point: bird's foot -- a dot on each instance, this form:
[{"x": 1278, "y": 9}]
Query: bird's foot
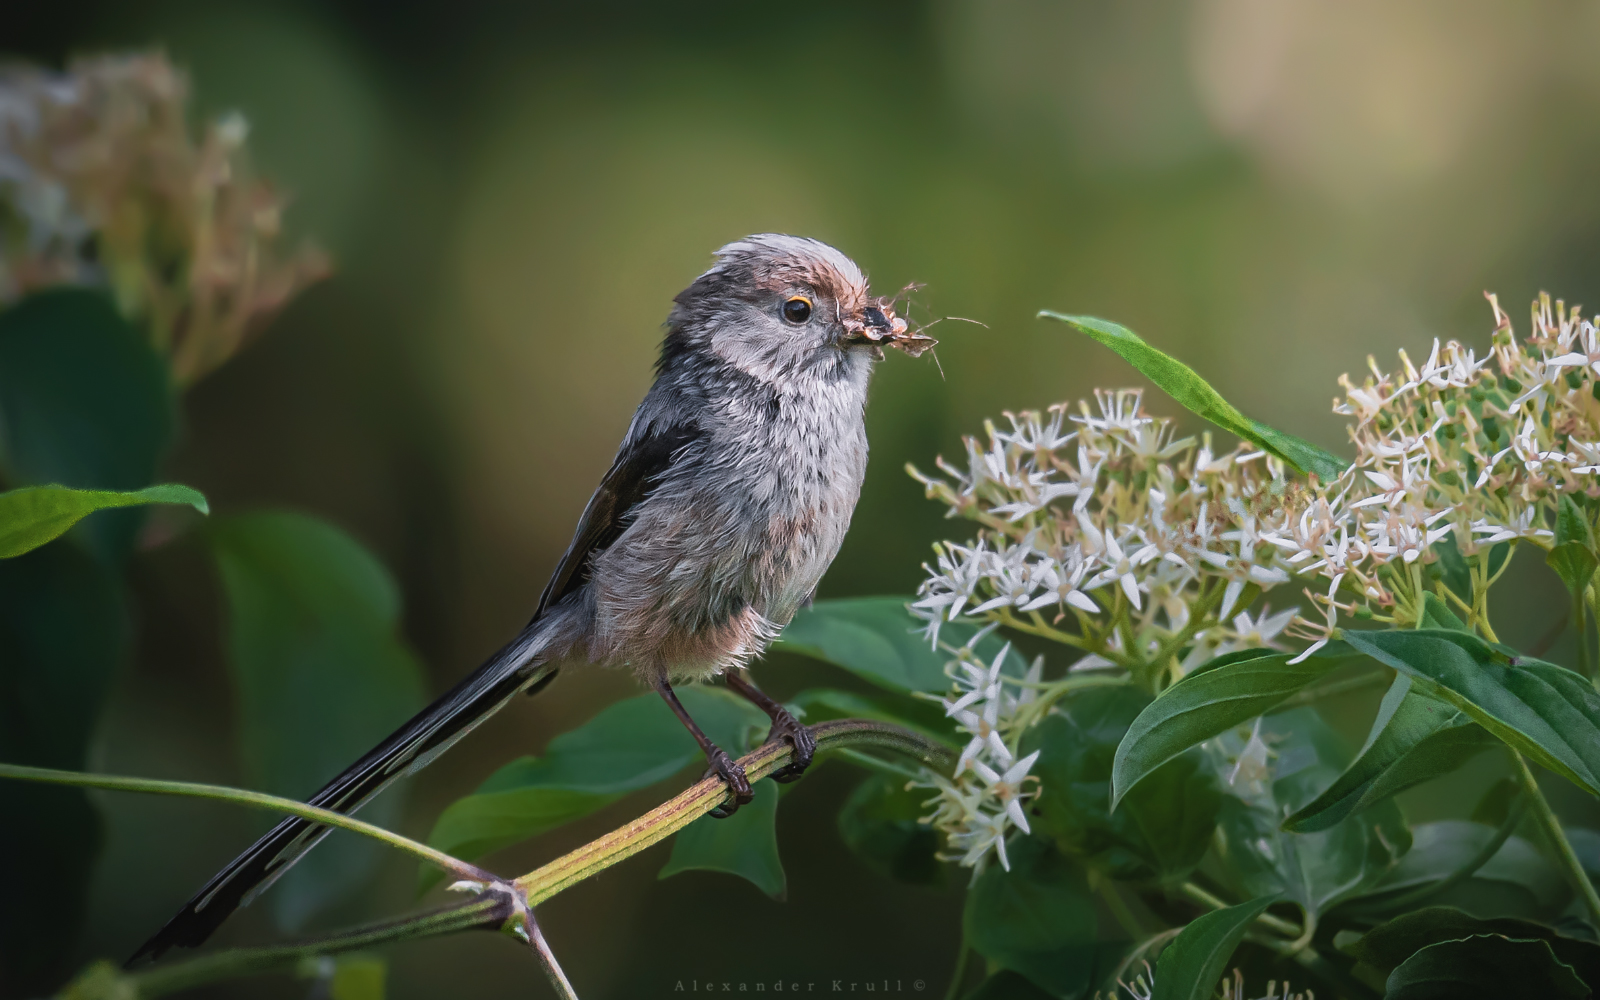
[
  {"x": 786, "y": 727},
  {"x": 732, "y": 775}
]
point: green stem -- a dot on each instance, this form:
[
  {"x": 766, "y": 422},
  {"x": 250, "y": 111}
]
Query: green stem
[
  {"x": 1038, "y": 628},
  {"x": 1199, "y": 619},
  {"x": 959, "y": 975},
  {"x": 1558, "y": 840},
  {"x": 1204, "y": 898},
  {"x": 1581, "y": 620},
  {"x": 254, "y": 800},
  {"x": 488, "y": 911}
]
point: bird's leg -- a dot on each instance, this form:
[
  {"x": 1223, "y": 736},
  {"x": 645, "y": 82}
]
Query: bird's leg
[
  {"x": 722, "y": 765},
  {"x": 784, "y": 726}
]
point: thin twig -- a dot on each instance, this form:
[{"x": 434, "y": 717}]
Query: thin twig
[
  {"x": 1558, "y": 840},
  {"x": 255, "y": 800}
]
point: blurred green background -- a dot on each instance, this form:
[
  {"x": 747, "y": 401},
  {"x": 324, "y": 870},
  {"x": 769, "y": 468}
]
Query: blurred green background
[{"x": 513, "y": 193}]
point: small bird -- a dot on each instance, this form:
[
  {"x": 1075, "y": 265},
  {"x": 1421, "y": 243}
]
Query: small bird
[{"x": 728, "y": 499}]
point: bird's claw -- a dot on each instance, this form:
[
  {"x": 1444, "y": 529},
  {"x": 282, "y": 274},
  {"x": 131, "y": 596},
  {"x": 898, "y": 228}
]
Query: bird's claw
[
  {"x": 786, "y": 727},
  {"x": 732, "y": 775}
]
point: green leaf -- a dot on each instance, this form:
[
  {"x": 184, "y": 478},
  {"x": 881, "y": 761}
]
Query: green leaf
[
  {"x": 1572, "y": 525},
  {"x": 1316, "y": 870},
  {"x": 85, "y": 402},
  {"x": 1485, "y": 967},
  {"x": 1037, "y": 919},
  {"x": 878, "y": 640},
  {"x": 1414, "y": 739},
  {"x": 745, "y": 844},
  {"x": 632, "y": 744},
  {"x": 34, "y": 515},
  {"x": 1547, "y": 712},
  {"x": 1573, "y": 554},
  {"x": 880, "y": 823},
  {"x": 1196, "y": 395},
  {"x": 1437, "y": 614},
  {"x": 321, "y": 675},
  {"x": 1163, "y": 826},
  {"x": 1387, "y": 946},
  {"x": 1516, "y": 881},
  {"x": 1216, "y": 696},
  {"x": 1193, "y": 964},
  {"x": 63, "y": 626}
]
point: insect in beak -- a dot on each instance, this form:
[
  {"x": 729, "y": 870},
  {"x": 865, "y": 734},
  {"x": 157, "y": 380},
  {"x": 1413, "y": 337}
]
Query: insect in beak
[{"x": 880, "y": 327}]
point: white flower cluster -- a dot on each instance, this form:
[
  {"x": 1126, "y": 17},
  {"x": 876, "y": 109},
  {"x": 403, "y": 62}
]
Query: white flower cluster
[
  {"x": 979, "y": 805},
  {"x": 1142, "y": 544},
  {"x": 1101, "y": 530},
  {"x": 1477, "y": 449}
]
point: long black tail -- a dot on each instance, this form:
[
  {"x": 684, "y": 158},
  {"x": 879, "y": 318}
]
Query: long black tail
[{"x": 522, "y": 663}]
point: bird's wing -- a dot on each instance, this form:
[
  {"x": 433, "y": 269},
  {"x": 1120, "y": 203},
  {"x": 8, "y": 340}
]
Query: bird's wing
[{"x": 638, "y": 468}]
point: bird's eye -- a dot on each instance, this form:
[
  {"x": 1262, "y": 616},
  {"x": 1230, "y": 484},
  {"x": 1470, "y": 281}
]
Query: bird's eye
[{"x": 797, "y": 309}]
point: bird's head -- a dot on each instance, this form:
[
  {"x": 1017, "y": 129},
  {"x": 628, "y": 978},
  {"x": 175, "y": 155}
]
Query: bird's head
[{"x": 776, "y": 305}]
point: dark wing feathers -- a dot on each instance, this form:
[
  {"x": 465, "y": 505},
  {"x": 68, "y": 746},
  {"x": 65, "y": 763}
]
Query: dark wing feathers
[{"x": 637, "y": 469}]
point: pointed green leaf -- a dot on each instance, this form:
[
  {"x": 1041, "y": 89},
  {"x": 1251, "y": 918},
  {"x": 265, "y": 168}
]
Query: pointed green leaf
[
  {"x": 1437, "y": 614},
  {"x": 1572, "y": 525},
  {"x": 1547, "y": 712},
  {"x": 1216, "y": 696},
  {"x": 745, "y": 844},
  {"x": 1414, "y": 738},
  {"x": 33, "y": 515},
  {"x": 321, "y": 674},
  {"x": 1387, "y": 946},
  {"x": 1193, "y": 964},
  {"x": 878, "y": 640},
  {"x": 1196, "y": 395},
  {"x": 1485, "y": 967}
]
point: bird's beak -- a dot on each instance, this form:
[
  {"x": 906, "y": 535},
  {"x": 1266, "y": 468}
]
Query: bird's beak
[{"x": 879, "y": 326}]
